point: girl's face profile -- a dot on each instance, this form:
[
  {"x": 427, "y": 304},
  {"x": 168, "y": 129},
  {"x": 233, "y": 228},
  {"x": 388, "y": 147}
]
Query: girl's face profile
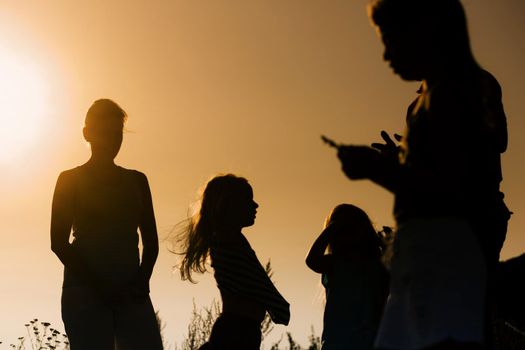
[{"x": 245, "y": 207}]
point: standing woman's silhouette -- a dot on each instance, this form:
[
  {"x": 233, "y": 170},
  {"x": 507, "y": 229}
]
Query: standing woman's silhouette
[
  {"x": 448, "y": 205},
  {"x": 105, "y": 294},
  {"x": 354, "y": 278},
  {"x": 247, "y": 293}
]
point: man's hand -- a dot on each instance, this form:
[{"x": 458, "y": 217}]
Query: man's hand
[
  {"x": 389, "y": 148},
  {"x": 358, "y": 162}
]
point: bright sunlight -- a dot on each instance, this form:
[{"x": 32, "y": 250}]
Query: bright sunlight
[{"x": 22, "y": 104}]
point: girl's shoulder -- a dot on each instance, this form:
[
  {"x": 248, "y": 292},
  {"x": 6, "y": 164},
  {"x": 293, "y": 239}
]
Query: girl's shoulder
[
  {"x": 228, "y": 251},
  {"x": 230, "y": 245}
]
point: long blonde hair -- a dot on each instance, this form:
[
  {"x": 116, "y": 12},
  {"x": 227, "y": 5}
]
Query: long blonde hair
[{"x": 198, "y": 235}]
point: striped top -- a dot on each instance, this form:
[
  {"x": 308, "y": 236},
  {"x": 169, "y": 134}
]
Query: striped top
[{"x": 239, "y": 272}]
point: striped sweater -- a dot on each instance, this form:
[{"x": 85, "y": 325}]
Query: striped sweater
[{"x": 239, "y": 272}]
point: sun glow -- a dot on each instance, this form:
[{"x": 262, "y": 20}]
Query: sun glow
[{"x": 22, "y": 104}]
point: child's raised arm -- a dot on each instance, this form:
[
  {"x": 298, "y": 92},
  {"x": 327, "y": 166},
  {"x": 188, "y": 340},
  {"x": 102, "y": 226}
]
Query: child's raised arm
[{"x": 316, "y": 259}]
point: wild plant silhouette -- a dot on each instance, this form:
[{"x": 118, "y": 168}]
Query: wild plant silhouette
[
  {"x": 202, "y": 320},
  {"x": 41, "y": 336}
]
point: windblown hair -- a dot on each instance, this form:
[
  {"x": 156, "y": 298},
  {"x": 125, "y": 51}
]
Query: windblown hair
[
  {"x": 218, "y": 197},
  {"x": 443, "y": 22},
  {"x": 102, "y": 111},
  {"x": 354, "y": 218}
]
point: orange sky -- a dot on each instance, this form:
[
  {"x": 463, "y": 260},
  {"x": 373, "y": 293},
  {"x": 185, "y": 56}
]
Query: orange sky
[{"x": 217, "y": 86}]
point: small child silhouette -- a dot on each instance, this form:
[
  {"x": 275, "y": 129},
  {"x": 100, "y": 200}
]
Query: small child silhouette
[{"x": 354, "y": 278}]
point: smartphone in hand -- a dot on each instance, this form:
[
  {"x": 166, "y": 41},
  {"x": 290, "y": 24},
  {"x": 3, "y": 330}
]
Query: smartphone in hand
[{"x": 330, "y": 142}]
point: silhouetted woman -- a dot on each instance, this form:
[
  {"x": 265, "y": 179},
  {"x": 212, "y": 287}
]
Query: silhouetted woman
[
  {"x": 105, "y": 294},
  {"x": 247, "y": 293},
  {"x": 354, "y": 278},
  {"x": 448, "y": 206}
]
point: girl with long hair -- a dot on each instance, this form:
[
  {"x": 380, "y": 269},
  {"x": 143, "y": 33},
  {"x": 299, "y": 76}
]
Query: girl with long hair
[
  {"x": 347, "y": 254},
  {"x": 247, "y": 293}
]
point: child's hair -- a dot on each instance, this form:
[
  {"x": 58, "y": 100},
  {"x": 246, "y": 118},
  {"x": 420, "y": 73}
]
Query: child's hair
[
  {"x": 355, "y": 219},
  {"x": 220, "y": 194}
]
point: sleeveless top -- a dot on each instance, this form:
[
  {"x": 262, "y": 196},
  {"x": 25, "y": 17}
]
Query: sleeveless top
[{"x": 105, "y": 224}]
